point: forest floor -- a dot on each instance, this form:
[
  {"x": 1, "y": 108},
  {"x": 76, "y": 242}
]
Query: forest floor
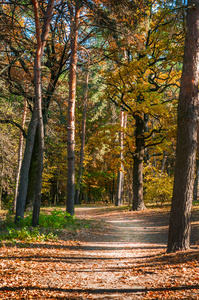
[{"x": 122, "y": 257}]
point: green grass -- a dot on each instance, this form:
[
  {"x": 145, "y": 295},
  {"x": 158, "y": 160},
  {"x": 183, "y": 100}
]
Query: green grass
[{"x": 51, "y": 224}]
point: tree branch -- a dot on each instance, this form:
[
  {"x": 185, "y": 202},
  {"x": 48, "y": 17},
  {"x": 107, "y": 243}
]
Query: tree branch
[{"x": 16, "y": 124}]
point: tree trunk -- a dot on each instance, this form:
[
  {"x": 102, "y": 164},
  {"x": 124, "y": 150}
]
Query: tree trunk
[
  {"x": 138, "y": 202},
  {"x": 120, "y": 184},
  {"x": 38, "y": 101},
  {"x": 195, "y": 189},
  {"x": 120, "y": 178},
  {"x": 71, "y": 110},
  {"x": 37, "y": 119},
  {"x": 23, "y": 187},
  {"x": 33, "y": 173},
  {"x": 179, "y": 227},
  {"x": 85, "y": 104},
  {"x": 41, "y": 41},
  {"x": 20, "y": 152},
  {"x": 165, "y": 156}
]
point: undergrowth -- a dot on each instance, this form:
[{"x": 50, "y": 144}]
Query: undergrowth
[{"x": 50, "y": 226}]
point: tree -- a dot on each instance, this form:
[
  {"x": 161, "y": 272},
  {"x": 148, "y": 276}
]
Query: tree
[
  {"x": 41, "y": 42},
  {"x": 141, "y": 51},
  {"x": 20, "y": 152},
  {"x": 120, "y": 179},
  {"x": 140, "y": 83},
  {"x": 187, "y": 122},
  {"x": 75, "y": 8},
  {"x": 83, "y": 135},
  {"x": 55, "y": 61},
  {"x": 195, "y": 188},
  {"x": 19, "y": 56},
  {"x": 74, "y": 16},
  {"x": 36, "y": 121}
]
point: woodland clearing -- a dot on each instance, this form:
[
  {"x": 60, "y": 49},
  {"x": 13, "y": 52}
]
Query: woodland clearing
[{"x": 123, "y": 256}]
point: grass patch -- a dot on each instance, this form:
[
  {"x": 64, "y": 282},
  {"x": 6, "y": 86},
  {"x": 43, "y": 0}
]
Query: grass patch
[{"x": 51, "y": 225}]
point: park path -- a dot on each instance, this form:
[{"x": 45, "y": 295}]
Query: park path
[
  {"x": 124, "y": 258},
  {"x": 140, "y": 228}
]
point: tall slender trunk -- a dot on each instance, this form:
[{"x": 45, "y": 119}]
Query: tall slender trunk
[
  {"x": 41, "y": 41},
  {"x": 38, "y": 103},
  {"x": 165, "y": 156},
  {"x": 34, "y": 160},
  {"x": 23, "y": 187},
  {"x": 138, "y": 202},
  {"x": 33, "y": 173},
  {"x": 120, "y": 184},
  {"x": 85, "y": 104},
  {"x": 71, "y": 109},
  {"x": 195, "y": 189},
  {"x": 187, "y": 123},
  {"x": 20, "y": 152},
  {"x": 37, "y": 119},
  {"x": 120, "y": 179}
]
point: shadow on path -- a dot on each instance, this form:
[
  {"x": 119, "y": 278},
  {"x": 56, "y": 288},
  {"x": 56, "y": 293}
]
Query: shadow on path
[{"x": 136, "y": 289}]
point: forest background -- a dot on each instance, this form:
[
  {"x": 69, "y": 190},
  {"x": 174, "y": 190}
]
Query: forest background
[{"x": 103, "y": 79}]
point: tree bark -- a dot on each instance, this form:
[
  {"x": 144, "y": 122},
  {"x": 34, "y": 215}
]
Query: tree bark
[
  {"x": 20, "y": 152},
  {"x": 187, "y": 122},
  {"x": 33, "y": 173},
  {"x": 195, "y": 189},
  {"x": 120, "y": 178},
  {"x": 38, "y": 101},
  {"x": 138, "y": 201},
  {"x": 46, "y": 103},
  {"x": 120, "y": 184},
  {"x": 85, "y": 105},
  {"x": 165, "y": 156},
  {"x": 74, "y": 13},
  {"x": 41, "y": 41},
  {"x": 23, "y": 187},
  {"x": 37, "y": 119}
]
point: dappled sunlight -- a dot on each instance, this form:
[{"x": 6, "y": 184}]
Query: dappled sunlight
[{"x": 115, "y": 260}]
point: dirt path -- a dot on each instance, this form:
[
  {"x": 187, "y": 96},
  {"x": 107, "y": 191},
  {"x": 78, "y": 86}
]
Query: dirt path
[
  {"x": 130, "y": 227},
  {"x": 123, "y": 259}
]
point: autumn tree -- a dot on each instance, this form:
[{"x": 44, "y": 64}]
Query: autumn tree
[
  {"x": 140, "y": 85},
  {"x": 99, "y": 18},
  {"x": 54, "y": 64},
  {"x": 41, "y": 41},
  {"x": 187, "y": 123},
  {"x": 83, "y": 129},
  {"x": 74, "y": 9},
  {"x": 137, "y": 51},
  {"x": 9, "y": 136},
  {"x": 36, "y": 121}
]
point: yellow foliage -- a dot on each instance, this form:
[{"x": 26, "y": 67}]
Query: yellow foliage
[{"x": 158, "y": 187}]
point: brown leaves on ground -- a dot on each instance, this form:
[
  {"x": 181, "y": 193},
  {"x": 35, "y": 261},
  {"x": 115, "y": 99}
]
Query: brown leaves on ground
[{"x": 126, "y": 259}]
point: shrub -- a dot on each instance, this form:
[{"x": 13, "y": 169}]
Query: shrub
[
  {"x": 49, "y": 223},
  {"x": 57, "y": 219},
  {"x": 158, "y": 188},
  {"x": 26, "y": 234}
]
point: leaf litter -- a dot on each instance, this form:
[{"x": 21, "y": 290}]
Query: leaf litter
[{"x": 124, "y": 257}]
